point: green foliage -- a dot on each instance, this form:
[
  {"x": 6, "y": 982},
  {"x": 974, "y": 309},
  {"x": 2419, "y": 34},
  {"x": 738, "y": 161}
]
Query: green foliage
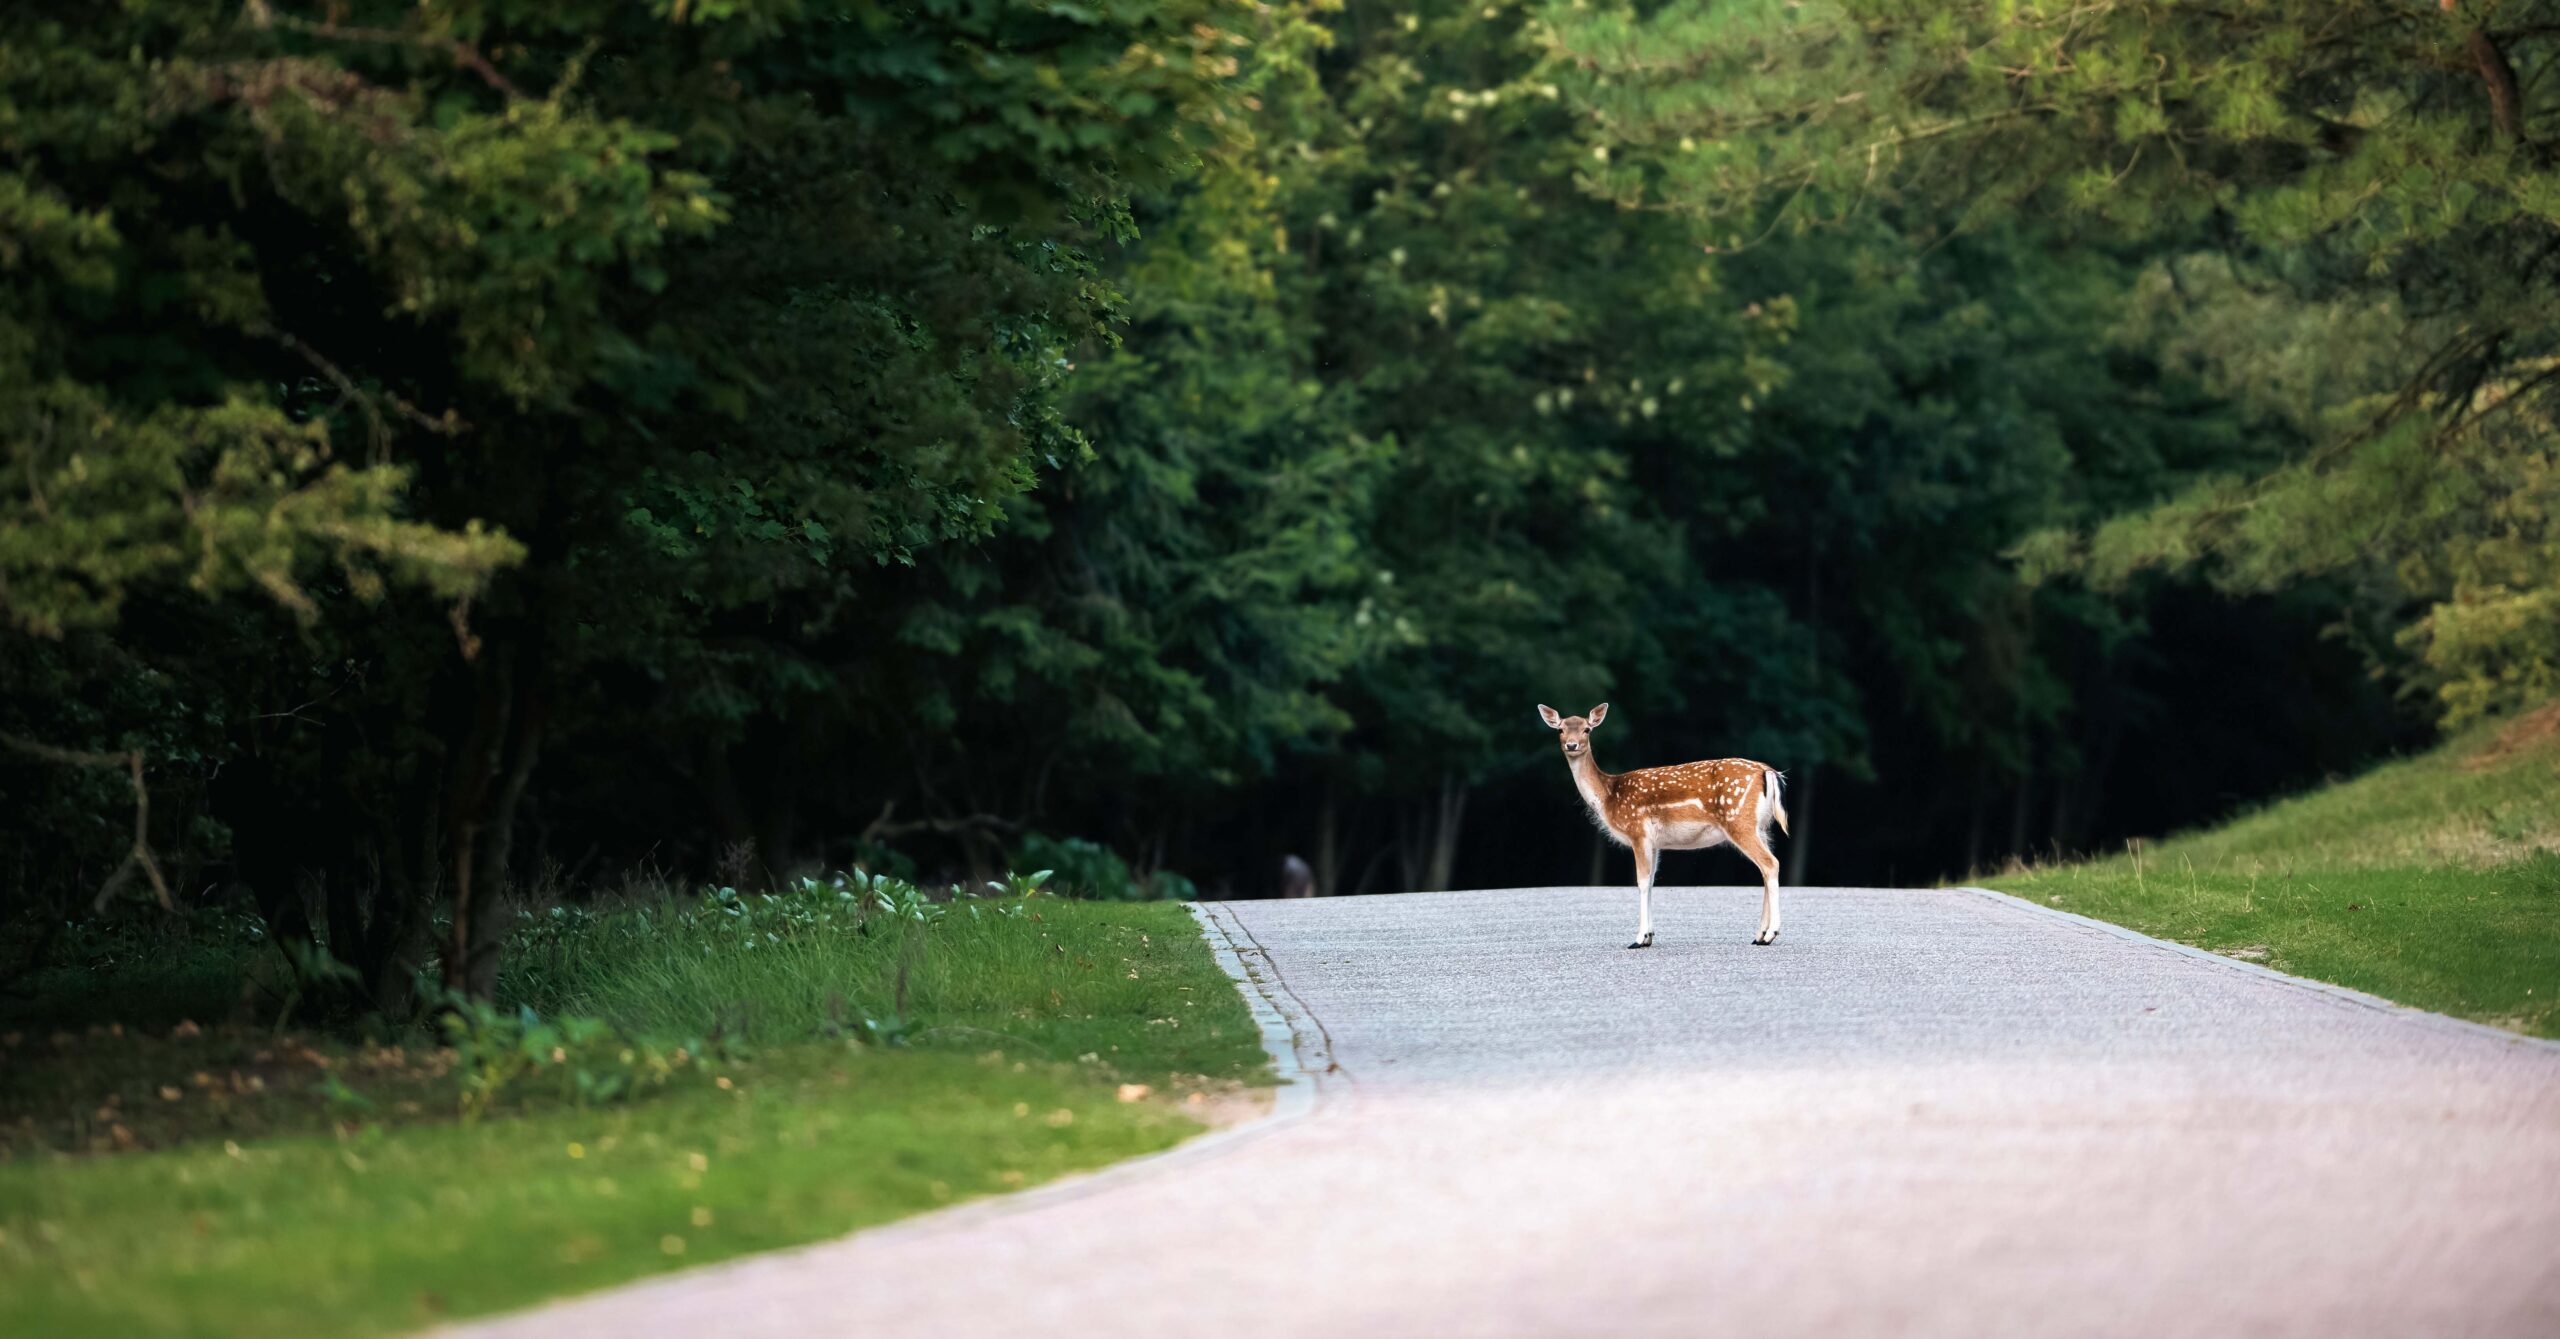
[
  {"x": 502, "y": 1055},
  {"x": 764, "y": 437},
  {"x": 229, "y": 497},
  {"x": 1089, "y": 869},
  {"x": 518, "y": 348},
  {"x": 1020, "y": 885},
  {"x": 2385, "y": 171}
]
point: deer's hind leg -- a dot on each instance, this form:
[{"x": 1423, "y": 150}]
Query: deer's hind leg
[
  {"x": 1754, "y": 845},
  {"x": 1647, "y": 855}
]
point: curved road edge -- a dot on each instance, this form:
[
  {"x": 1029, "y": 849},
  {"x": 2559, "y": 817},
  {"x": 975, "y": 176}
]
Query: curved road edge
[
  {"x": 2346, "y": 995},
  {"x": 1290, "y": 1037},
  {"x": 1289, "y": 1032}
]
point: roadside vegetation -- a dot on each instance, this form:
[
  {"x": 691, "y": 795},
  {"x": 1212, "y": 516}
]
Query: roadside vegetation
[
  {"x": 660, "y": 1084},
  {"x": 2434, "y": 880},
  {"x": 1171, "y": 444}
]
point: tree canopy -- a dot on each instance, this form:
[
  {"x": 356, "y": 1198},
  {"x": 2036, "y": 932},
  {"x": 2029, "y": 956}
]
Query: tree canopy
[
  {"x": 2357, "y": 162},
  {"x": 456, "y": 454}
]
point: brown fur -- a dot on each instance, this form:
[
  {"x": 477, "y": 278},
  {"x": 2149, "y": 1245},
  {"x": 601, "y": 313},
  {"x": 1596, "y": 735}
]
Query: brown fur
[{"x": 1690, "y": 806}]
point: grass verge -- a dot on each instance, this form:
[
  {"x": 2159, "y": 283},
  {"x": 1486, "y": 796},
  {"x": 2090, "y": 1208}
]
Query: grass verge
[
  {"x": 294, "y": 1185},
  {"x": 2432, "y": 881}
]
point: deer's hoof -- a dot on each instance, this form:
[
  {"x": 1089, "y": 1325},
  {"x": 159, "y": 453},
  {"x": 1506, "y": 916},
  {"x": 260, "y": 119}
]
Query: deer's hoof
[
  {"x": 1645, "y": 941},
  {"x": 1765, "y": 938}
]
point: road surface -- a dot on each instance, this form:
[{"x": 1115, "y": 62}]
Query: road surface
[{"x": 1920, "y": 1113}]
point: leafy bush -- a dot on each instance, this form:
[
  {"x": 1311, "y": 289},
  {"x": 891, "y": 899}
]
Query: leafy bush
[
  {"x": 1091, "y": 870},
  {"x": 1166, "y": 886},
  {"x": 880, "y": 858},
  {"x": 1017, "y": 884},
  {"x": 501, "y": 1054}
]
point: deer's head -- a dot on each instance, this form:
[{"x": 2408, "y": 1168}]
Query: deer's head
[{"x": 1575, "y": 730}]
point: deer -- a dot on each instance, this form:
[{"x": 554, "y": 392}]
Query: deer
[{"x": 1686, "y": 808}]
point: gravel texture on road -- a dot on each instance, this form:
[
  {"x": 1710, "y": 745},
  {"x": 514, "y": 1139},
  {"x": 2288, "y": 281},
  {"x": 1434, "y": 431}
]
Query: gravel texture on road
[{"x": 1919, "y": 1113}]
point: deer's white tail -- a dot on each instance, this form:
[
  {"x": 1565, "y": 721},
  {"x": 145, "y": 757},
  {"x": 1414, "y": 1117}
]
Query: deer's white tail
[{"x": 1771, "y": 801}]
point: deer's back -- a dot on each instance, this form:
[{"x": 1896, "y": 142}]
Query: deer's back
[{"x": 1721, "y": 790}]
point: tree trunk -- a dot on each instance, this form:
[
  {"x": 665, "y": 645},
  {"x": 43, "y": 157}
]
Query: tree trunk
[
  {"x": 1448, "y": 819},
  {"x": 1328, "y": 866},
  {"x": 777, "y": 835},
  {"x": 379, "y": 907},
  {"x": 2019, "y": 809},
  {"x": 2080, "y": 800},
  {"x": 2506, "y": 101},
  {"x": 1369, "y": 872},
  {"x": 1599, "y": 858},
  {"x": 487, "y": 777},
  {"x": 1973, "y": 828},
  {"x": 729, "y": 812},
  {"x": 780, "y": 786},
  {"x": 1800, "y": 814}
]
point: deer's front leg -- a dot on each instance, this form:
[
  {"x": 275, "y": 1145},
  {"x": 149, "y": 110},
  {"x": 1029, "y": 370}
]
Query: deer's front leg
[{"x": 1645, "y": 857}]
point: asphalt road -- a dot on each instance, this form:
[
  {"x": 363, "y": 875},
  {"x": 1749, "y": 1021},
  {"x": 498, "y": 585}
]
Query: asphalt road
[{"x": 1920, "y": 1113}]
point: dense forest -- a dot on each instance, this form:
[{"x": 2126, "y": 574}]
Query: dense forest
[{"x": 460, "y": 454}]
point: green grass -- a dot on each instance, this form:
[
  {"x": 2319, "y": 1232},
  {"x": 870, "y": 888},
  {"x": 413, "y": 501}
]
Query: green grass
[
  {"x": 271, "y": 1209},
  {"x": 2433, "y": 881}
]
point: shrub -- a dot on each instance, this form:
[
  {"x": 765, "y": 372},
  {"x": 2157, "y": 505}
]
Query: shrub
[
  {"x": 501, "y": 1054},
  {"x": 1089, "y": 869}
]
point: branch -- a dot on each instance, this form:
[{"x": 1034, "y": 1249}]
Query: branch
[
  {"x": 2506, "y": 102},
  {"x": 451, "y": 425},
  {"x": 463, "y": 53},
  {"x": 140, "y": 856},
  {"x": 881, "y": 827}
]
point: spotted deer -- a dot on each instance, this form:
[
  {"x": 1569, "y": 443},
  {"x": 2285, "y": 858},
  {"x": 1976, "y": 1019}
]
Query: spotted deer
[{"x": 1685, "y": 808}]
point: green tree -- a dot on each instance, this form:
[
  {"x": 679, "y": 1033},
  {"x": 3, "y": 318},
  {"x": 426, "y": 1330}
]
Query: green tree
[
  {"x": 1551, "y": 449},
  {"x": 616, "y": 332},
  {"x": 2368, "y": 151},
  {"x": 1163, "y": 624},
  {"x": 1525, "y": 348}
]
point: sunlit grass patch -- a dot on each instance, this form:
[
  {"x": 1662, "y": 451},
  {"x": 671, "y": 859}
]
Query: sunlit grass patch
[
  {"x": 1011, "y": 1058},
  {"x": 2431, "y": 881},
  {"x": 392, "y": 1228}
]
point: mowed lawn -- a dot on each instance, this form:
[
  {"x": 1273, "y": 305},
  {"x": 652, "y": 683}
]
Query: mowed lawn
[
  {"x": 2433, "y": 881},
  {"x": 287, "y": 1210}
]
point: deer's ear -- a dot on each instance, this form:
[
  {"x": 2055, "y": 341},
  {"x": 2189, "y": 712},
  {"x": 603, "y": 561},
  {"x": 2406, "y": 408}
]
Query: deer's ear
[
  {"x": 1548, "y": 714},
  {"x": 1600, "y": 713}
]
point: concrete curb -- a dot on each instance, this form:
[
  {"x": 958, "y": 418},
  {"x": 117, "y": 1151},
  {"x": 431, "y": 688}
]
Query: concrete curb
[
  {"x": 2425, "y": 1018},
  {"x": 1301, "y": 1050}
]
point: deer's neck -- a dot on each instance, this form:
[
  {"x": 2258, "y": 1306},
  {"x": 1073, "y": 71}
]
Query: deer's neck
[{"x": 1593, "y": 783}]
